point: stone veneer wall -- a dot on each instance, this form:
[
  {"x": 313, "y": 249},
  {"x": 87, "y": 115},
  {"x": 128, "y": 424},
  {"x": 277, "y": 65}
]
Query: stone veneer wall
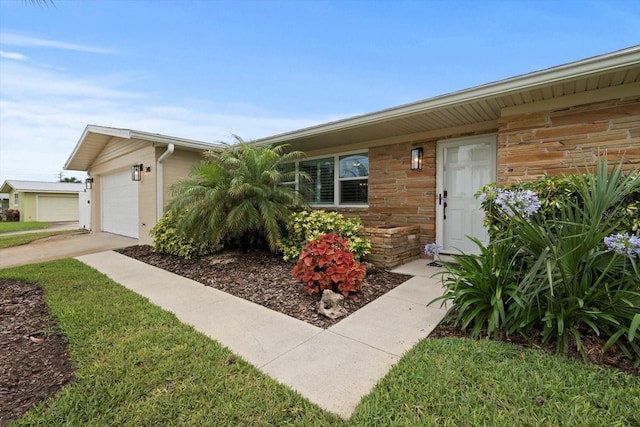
[
  {"x": 399, "y": 196},
  {"x": 393, "y": 246},
  {"x": 554, "y": 141},
  {"x": 559, "y": 141}
]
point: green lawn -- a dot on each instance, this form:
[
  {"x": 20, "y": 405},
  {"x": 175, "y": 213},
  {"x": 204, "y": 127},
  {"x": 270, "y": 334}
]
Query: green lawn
[
  {"x": 23, "y": 239},
  {"x": 138, "y": 365},
  {"x": 21, "y": 226}
]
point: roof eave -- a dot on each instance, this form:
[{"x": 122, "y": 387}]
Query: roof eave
[{"x": 590, "y": 66}]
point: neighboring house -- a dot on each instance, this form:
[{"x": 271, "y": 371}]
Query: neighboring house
[
  {"x": 121, "y": 202},
  {"x": 411, "y": 172},
  {"x": 43, "y": 201}
]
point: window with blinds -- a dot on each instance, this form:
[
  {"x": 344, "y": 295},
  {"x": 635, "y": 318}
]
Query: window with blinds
[
  {"x": 320, "y": 188},
  {"x": 354, "y": 178}
]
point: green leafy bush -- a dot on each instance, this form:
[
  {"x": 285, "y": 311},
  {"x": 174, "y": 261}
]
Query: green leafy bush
[
  {"x": 570, "y": 262},
  {"x": 167, "y": 239},
  {"x": 327, "y": 263},
  {"x": 554, "y": 192},
  {"x": 305, "y": 226}
]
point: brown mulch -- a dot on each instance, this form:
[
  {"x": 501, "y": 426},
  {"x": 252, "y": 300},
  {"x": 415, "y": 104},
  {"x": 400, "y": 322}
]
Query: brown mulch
[
  {"x": 34, "y": 359},
  {"x": 264, "y": 279}
]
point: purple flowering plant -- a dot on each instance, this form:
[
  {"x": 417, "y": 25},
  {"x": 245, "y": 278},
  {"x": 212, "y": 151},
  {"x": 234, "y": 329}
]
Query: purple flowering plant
[
  {"x": 432, "y": 249},
  {"x": 623, "y": 244},
  {"x": 524, "y": 202}
]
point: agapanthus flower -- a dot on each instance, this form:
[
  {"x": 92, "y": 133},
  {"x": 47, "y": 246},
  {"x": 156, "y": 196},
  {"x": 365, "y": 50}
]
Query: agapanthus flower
[
  {"x": 524, "y": 202},
  {"x": 623, "y": 244},
  {"x": 432, "y": 249}
]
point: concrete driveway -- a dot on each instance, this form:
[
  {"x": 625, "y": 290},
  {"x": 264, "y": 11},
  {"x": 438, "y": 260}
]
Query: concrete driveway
[{"x": 63, "y": 246}]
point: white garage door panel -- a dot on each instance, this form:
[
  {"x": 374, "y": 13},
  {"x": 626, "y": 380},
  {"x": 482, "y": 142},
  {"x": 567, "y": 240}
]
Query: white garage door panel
[
  {"x": 57, "y": 208},
  {"x": 120, "y": 204}
]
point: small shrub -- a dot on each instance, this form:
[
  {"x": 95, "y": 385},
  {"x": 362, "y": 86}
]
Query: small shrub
[
  {"x": 327, "y": 263},
  {"x": 306, "y": 226},
  {"x": 12, "y": 215},
  {"x": 483, "y": 288},
  {"x": 167, "y": 239}
]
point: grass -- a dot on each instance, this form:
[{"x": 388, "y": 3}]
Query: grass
[
  {"x": 6, "y": 226},
  {"x": 138, "y": 365},
  {"x": 23, "y": 239}
]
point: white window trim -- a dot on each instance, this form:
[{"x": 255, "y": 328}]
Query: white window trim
[
  {"x": 336, "y": 180},
  {"x": 16, "y": 199}
]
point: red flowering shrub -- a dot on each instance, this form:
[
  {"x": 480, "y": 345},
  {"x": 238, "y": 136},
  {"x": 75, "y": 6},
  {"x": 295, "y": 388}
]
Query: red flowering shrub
[{"x": 327, "y": 263}]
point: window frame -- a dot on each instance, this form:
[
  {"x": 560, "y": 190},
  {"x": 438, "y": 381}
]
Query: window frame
[
  {"x": 16, "y": 199},
  {"x": 337, "y": 188}
]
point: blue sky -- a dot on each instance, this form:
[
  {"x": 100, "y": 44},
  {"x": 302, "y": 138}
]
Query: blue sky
[{"x": 207, "y": 69}]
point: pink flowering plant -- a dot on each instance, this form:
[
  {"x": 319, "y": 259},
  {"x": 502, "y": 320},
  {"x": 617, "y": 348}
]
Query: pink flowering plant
[{"x": 563, "y": 258}]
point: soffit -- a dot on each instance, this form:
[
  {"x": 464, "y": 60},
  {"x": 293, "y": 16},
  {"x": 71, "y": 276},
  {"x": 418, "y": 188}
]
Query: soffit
[{"x": 94, "y": 139}]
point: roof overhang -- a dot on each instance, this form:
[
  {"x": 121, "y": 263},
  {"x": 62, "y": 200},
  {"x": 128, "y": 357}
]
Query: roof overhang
[
  {"x": 477, "y": 108},
  {"x": 95, "y": 138}
]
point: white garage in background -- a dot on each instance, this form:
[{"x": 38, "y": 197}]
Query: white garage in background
[
  {"x": 120, "y": 204},
  {"x": 52, "y": 208},
  {"x": 43, "y": 201}
]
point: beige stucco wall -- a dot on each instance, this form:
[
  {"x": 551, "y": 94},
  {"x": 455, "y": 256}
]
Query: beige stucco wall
[{"x": 177, "y": 166}]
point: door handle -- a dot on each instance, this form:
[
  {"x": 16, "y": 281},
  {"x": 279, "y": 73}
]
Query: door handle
[
  {"x": 440, "y": 198},
  {"x": 444, "y": 211}
]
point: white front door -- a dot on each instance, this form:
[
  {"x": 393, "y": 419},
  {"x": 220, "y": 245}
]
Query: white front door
[{"x": 464, "y": 165}]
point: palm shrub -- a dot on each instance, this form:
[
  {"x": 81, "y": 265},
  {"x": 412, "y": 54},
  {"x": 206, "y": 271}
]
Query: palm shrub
[
  {"x": 306, "y": 225},
  {"x": 236, "y": 196}
]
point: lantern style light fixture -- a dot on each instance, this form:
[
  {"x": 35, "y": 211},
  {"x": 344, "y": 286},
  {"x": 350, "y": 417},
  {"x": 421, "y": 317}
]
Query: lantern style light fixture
[
  {"x": 88, "y": 183},
  {"x": 416, "y": 159},
  {"x": 136, "y": 172}
]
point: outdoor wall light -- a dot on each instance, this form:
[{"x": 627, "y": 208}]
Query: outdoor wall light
[
  {"x": 88, "y": 183},
  {"x": 136, "y": 172},
  {"x": 416, "y": 159}
]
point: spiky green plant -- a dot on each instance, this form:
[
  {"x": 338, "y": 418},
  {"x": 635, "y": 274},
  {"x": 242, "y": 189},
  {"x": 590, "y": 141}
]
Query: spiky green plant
[{"x": 237, "y": 197}]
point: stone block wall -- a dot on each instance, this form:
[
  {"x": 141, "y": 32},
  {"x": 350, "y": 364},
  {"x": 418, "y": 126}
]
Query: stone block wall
[
  {"x": 393, "y": 246},
  {"x": 561, "y": 141}
]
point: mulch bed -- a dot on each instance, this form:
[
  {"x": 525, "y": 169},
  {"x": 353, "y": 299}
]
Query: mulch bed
[
  {"x": 34, "y": 358},
  {"x": 264, "y": 279}
]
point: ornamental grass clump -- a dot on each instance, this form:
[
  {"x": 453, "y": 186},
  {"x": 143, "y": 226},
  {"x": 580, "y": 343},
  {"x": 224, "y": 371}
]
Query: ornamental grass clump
[
  {"x": 327, "y": 263},
  {"x": 558, "y": 266}
]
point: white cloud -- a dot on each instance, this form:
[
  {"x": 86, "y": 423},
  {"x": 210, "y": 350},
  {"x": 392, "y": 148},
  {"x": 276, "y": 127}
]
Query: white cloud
[
  {"x": 13, "y": 55},
  {"x": 13, "y": 39},
  {"x": 43, "y": 113}
]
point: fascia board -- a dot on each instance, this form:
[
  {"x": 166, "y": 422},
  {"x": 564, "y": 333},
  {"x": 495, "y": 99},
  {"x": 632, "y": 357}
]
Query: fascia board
[{"x": 591, "y": 66}]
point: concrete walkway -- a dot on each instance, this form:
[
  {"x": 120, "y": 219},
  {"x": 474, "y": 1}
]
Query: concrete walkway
[
  {"x": 333, "y": 368},
  {"x": 62, "y": 246}
]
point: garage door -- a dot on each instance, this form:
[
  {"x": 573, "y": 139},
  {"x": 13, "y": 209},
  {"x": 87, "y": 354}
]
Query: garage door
[
  {"x": 56, "y": 208},
  {"x": 120, "y": 204}
]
